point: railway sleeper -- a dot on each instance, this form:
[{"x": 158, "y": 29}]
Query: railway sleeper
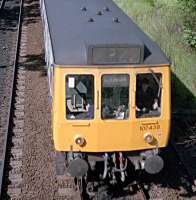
[
  {"x": 23, "y": 53},
  {"x": 15, "y": 163},
  {"x": 20, "y": 93},
  {"x": 18, "y": 132},
  {"x": 20, "y": 82},
  {"x": 23, "y": 48},
  {"x": 19, "y": 123},
  {"x": 18, "y": 142},
  {"x": 21, "y": 72},
  {"x": 17, "y": 153},
  {"x": 16, "y": 170},
  {"x": 67, "y": 183},
  {"x": 15, "y": 159},
  {"x": 69, "y": 193},
  {"x": 16, "y": 179},
  {"x": 20, "y": 88},
  {"x": 14, "y": 192},
  {"x": 23, "y": 45},
  {"x": 19, "y": 104},
  {"x": 19, "y": 114}
]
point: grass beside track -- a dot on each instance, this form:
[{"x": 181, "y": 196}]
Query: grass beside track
[{"x": 161, "y": 20}]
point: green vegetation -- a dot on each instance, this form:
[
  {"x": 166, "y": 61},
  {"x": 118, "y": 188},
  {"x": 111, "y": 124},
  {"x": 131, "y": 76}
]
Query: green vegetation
[
  {"x": 163, "y": 21},
  {"x": 189, "y": 21}
]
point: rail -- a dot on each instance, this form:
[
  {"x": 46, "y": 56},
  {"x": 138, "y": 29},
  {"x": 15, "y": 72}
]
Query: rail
[
  {"x": 8, "y": 120},
  {"x": 2, "y": 2}
]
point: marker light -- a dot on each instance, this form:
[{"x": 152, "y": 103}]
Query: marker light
[
  {"x": 80, "y": 141},
  {"x": 148, "y": 138}
]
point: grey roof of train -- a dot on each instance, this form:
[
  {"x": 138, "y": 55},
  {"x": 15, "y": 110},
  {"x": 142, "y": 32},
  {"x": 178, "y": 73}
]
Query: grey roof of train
[{"x": 72, "y": 33}]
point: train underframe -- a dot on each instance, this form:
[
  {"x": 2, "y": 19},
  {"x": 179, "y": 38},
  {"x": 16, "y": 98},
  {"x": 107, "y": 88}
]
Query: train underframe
[{"x": 114, "y": 170}]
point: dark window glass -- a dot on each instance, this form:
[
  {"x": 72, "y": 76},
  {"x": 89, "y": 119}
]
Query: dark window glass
[
  {"x": 116, "y": 55},
  {"x": 148, "y": 95},
  {"x": 115, "y": 96},
  {"x": 79, "y": 97}
]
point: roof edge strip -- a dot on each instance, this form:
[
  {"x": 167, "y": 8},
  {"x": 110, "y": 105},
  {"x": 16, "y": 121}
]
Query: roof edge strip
[{"x": 112, "y": 66}]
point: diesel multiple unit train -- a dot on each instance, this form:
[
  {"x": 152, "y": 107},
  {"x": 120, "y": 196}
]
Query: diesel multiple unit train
[{"x": 110, "y": 90}]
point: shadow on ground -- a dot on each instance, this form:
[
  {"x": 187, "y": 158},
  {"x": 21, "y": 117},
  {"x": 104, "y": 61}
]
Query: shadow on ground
[
  {"x": 32, "y": 12},
  {"x": 34, "y": 62},
  {"x": 182, "y": 97},
  {"x": 9, "y": 16}
]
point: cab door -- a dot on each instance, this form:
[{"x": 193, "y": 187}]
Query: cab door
[{"x": 114, "y": 113}]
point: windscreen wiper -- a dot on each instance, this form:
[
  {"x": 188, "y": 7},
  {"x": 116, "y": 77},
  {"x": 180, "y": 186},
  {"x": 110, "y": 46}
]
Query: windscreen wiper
[{"x": 159, "y": 82}]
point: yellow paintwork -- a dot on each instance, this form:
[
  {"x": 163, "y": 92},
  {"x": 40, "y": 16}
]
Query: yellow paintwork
[{"x": 108, "y": 135}]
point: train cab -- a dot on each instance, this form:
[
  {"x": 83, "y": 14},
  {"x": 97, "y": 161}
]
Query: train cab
[{"x": 111, "y": 109}]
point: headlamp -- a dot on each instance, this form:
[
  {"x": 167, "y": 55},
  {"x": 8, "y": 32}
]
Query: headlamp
[
  {"x": 80, "y": 141},
  {"x": 148, "y": 138}
]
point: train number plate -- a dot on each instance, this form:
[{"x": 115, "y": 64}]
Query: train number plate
[{"x": 150, "y": 126}]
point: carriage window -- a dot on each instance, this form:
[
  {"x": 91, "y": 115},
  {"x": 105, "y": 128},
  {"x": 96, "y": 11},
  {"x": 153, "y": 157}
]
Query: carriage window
[
  {"x": 79, "y": 97},
  {"x": 115, "y": 96},
  {"x": 148, "y": 95}
]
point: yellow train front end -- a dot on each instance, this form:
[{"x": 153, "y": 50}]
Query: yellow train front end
[{"x": 102, "y": 107}]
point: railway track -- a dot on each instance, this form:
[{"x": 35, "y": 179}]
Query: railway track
[
  {"x": 10, "y": 110},
  {"x": 16, "y": 120},
  {"x": 184, "y": 142},
  {"x": 2, "y": 2},
  {"x": 67, "y": 189}
]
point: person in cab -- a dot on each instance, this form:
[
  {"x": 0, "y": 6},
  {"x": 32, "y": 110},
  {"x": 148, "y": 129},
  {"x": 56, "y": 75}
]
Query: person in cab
[{"x": 146, "y": 97}]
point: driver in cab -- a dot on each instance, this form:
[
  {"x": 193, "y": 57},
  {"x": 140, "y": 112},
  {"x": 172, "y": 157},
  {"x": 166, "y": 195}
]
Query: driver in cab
[{"x": 146, "y": 98}]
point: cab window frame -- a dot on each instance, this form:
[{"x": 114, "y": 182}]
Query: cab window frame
[
  {"x": 93, "y": 95},
  {"x": 129, "y": 97},
  {"x": 161, "y": 77}
]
